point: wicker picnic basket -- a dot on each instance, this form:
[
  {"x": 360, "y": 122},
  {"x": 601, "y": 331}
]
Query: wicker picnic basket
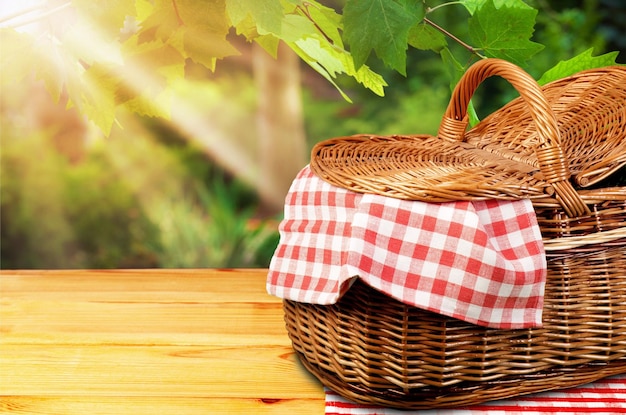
[{"x": 545, "y": 146}]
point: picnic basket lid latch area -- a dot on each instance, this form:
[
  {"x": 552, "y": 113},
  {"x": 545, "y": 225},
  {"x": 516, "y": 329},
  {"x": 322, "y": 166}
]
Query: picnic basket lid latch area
[{"x": 555, "y": 145}]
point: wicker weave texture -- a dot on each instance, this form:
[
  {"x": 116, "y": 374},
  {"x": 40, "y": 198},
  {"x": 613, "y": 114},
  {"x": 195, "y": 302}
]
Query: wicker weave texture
[
  {"x": 575, "y": 127},
  {"x": 545, "y": 146},
  {"x": 590, "y": 108},
  {"x": 374, "y": 349}
]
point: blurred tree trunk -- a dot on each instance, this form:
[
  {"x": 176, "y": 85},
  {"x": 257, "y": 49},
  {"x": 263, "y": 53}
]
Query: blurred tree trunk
[{"x": 280, "y": 125}]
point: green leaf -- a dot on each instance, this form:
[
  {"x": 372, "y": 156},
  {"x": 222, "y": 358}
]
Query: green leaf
[
  {"x": 211, "y": 15},
  {"x": 44, "y": 58},
  {"x": 455, "y": 73},
  {"x": 472, "y": 5},
  {"x": 316, "y": 53},
  {"x": 504, "y": 32},
  {"x": 296, "y": 27},
  {"x": 97, "y": 96},
  {"x": 158, "y": 105},
  {"x": 327, "y": 20},
  {"x": 267, "y": 14},
  {"x": 269, "y": 43},
  {"x": 149, "y": 72},
  {"x": 160, "y": 25},
  {"x": 205, "y": 47},
  {"x": 322, "y": 71},
  {"x": 576, "y": 64},
  {"x": 83, "y": 40},
  {"x": 415, "y": 8},
  {"x": 144, "y": 8},
  {"x": 14, "y": 63},
  {"x": 22, "y": 55},
  {"x": 364, "y": 75},
  {"x": 154, "y": 57},
  {"x": 330, "y": 61},
  {"x": 382, "y": 26},
  {"x": 452, "y": 66},
  {"x": 205, "y": 28},
  {"x": 108, "y": 15},
  {"x": 425, "y": 37},
  {"x": 57, "y": 68}
]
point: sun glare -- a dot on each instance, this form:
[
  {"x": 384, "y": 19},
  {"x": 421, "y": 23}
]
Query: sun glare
[
  {"x": 26, "y": 15},
  {"x": 70, "y": 45}
]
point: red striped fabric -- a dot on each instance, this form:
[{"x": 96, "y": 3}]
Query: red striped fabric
[{"x": 604, "y": 397}]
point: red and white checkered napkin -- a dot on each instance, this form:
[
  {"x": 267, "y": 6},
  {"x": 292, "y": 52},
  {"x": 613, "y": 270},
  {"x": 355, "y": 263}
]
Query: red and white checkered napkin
[
  {"x": 482, "y": 262},
  {"x": 604, "y": 397}
]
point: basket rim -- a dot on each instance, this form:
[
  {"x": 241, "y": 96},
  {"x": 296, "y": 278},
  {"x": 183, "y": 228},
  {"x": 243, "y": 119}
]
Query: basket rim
[{"x": 409, "y": 168}]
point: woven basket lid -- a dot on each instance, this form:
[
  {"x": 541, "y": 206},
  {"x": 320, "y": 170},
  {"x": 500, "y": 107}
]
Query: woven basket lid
[
  {"x": 423, "y": 167},
  {"x": 590, "y": 108},
  {"x": 451, "y": 167}
]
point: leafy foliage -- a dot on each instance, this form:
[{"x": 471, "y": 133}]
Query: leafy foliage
[
  {"x": 505, "y": 32},
  {"x": 573, "y": 65},
  {"x": 382, "y": 26},
  {"x": 128, "y": 53},
  {"x": 106, "y": 58}
]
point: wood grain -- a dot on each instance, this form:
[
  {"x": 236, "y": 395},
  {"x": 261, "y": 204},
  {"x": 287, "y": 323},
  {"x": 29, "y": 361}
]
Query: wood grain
[
  {"x": 104, "y": 405},
  {"x": 147, "y": 342}
]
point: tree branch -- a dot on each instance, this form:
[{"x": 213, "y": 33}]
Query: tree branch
[
  {"x": 305, "y": 11},
  {"x": 456, "y": 39},
  {"x": 175, "y": 6}
]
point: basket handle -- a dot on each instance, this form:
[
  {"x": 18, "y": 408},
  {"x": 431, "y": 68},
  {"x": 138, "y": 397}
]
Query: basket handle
[{"x": 550, "y": 155}]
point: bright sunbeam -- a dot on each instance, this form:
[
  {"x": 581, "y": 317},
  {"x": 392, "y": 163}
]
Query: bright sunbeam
[
  {"x": 89, "y": 63},
  {"x": 26, "y": 15}
]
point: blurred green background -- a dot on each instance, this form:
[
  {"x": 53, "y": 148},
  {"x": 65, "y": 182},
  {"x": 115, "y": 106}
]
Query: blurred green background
[{"x": 153, "y": 194}]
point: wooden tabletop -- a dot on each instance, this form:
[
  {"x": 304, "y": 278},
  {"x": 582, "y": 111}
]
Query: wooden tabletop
[{"x": 147, "y": 342}]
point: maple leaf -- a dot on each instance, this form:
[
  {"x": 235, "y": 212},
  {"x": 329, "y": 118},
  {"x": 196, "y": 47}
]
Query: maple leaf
[
  {"x": 473, "y": 5},
  {"x": 14, "y": 63},
  {"x": 504, "y": 32},
  {"x": 424, "y": 37},
  {"x": 329, "y": 61},
  {"x": 576, "y": 64},
  {"x": 455, "y": 72},
  {"x": 382, "y": 26},
  {"x": 159, "y": 25},
  {"x": 96, "y": 97},
  {"x": 158, "y": 105},
  {"x": 45, "y": 59},
  {"x": 85, "y": 41},
  {"x": 205, "y": 47},
  {"x": 209, "y": 14},
  {"x": 294, "y": 27},
  {"x": 205, "y": 27},
  {"x": 109, "y": 15},
  {"x": 54, "y": 67},
  {"x": 327, "y": 21},
  {"x": 269, "y": 43},
  {"x": 266, "y": 14},
  {"x": 148, "y": 73}
]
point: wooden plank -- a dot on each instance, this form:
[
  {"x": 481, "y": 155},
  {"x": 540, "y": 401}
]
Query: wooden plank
[
  {"x": 211, "y": 372},
  {"x": 140, "y": 307},
  {"x": 147, "y": 341},
  {"x": 71, "y": 321},
  {"x": 152, "y": 285},
  {"x": 106, "y": 405}
]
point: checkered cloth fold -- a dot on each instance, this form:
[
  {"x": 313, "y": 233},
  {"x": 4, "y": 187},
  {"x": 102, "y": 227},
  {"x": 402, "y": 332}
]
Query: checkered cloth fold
[{"x": 482, "y": 262}]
